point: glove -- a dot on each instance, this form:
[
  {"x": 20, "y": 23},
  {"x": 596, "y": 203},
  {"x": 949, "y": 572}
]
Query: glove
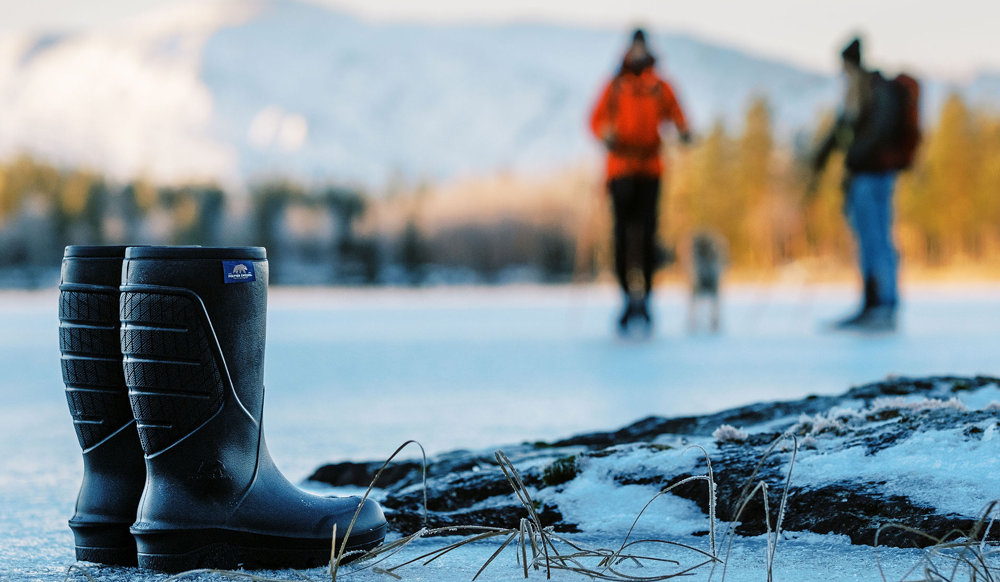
[{"x": 609, "y": 140}]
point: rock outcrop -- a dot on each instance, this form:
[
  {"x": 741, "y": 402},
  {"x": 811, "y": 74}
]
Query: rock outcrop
[{"x": 918, "y": 452}]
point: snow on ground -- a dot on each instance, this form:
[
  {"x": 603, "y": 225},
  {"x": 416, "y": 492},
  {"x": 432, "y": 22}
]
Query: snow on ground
[
  {"x": 944, "y": 469},
  {"x": 941, "y": 469},
  {"x": 480, "y": 368},
  {"x": 621, "y": 504}
]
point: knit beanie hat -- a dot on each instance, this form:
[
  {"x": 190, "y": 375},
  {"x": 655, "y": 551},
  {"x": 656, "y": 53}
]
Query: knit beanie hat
[{"x": 852, "y": 54}]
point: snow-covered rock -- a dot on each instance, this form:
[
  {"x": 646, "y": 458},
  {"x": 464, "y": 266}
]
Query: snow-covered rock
[{"x": 923, "y": 453}]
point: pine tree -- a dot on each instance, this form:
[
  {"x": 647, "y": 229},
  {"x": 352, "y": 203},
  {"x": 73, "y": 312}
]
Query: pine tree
[
  {"x": 986, "y": 192},
  {"x": 754, "y": 187},
  {"x": 939, "y": 202},
  {"x": 712, "y": 204}
]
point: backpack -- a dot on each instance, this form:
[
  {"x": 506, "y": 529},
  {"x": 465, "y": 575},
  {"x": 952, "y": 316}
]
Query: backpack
[{"x": 899, "y": 155}]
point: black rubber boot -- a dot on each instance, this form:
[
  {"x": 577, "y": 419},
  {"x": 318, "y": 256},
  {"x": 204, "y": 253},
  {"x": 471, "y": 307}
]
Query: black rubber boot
[
  {"x": 871, "y": 294},
  {"x": 626, "y": 315},
  {"x": 642, "y": 311},
  {"x": 113, "y": 468},
  {"x": 872, "y": 316},
  {"x": 193, "y": 322}
]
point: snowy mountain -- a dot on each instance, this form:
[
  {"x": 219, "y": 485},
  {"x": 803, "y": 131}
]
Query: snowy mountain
[{"x": 235, "y": 90}]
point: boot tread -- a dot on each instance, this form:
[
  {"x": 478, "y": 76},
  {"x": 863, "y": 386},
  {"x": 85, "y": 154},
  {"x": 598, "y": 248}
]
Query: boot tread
[{"x": 174, "y": 381}]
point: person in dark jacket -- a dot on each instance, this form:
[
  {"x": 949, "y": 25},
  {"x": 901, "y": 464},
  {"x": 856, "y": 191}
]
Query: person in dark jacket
[
  {"x": 627, "y": 119},
  {"x": 866, "y": 130}
]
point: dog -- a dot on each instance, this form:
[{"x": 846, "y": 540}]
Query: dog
[{"x": 708, "y": 260}]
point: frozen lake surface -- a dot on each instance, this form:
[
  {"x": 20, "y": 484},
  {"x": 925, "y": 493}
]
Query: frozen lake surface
[{"x": 353, "y": 373}]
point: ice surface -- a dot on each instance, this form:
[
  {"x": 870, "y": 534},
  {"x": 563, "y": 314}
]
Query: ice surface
[{"x": 352, "y": 374}]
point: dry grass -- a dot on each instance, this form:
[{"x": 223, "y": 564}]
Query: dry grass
[
  {"x": 550, "y": 551},
  {"x": 955, "y": 556}
]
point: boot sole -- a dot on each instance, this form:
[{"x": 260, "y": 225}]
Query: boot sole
[
  {"x": 110, "y": 544},
  {"x": 182, "y": 550}
]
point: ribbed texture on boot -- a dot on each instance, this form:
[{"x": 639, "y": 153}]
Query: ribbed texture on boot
[
  {"x": 92, "y": 364},
  {"x": 173, "y": 379}
]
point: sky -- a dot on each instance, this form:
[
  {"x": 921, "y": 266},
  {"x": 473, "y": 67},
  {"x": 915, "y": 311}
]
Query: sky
[{"x": 947, "y": 38}]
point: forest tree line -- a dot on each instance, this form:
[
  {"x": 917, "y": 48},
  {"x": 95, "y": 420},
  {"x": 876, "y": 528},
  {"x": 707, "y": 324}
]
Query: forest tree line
[
  {"x": 745, "y": 186},
  {"x": 755, "y": 194}
]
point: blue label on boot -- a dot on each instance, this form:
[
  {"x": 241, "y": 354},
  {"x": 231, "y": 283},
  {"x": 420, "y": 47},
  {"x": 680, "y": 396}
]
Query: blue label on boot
[{"x": 237, "y": 271}]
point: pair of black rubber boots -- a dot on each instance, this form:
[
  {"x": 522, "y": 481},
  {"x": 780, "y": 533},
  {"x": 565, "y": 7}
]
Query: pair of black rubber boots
[{"x": 162, "y": 357}]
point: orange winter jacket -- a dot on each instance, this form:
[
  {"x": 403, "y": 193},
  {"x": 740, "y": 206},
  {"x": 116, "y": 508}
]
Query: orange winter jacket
[{"x": 628, "y": 116}]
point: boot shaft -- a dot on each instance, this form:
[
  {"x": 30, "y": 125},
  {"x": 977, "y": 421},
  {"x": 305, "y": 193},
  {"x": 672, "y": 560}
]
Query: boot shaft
[
  {"x": 185, "y": 305},
  {"x": 91, "y": 358},
  {"x": 193, "y": 326}
]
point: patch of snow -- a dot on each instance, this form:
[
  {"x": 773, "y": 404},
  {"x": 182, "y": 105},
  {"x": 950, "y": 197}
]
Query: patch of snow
[
  {"x": 596, "y": 503},
  {"x": 822, "y": 424},
  {"x": 981, "y": 399},
  {"x": 941, "y": 469},
  {"x": 915, "y": 404},
  {"x": 990, "y": 431},
  {"x": 729, "y": 434},
  {"x": 808, "y": 442}
]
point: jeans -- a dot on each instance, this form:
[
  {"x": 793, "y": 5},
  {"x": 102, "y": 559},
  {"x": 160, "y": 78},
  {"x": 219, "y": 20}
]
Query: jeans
[
  {"x": 635, "y": 200},
  {"x": 869, "y": 210}
]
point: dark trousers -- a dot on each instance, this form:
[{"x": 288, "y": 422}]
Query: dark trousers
[{"x": 635, "y": 200}]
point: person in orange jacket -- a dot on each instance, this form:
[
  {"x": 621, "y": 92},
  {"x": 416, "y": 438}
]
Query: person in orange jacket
[{"x": 627, "y": 118}]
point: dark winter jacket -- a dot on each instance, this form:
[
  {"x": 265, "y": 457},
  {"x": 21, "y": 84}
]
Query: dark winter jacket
[{"x": 868, "y": 138}]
